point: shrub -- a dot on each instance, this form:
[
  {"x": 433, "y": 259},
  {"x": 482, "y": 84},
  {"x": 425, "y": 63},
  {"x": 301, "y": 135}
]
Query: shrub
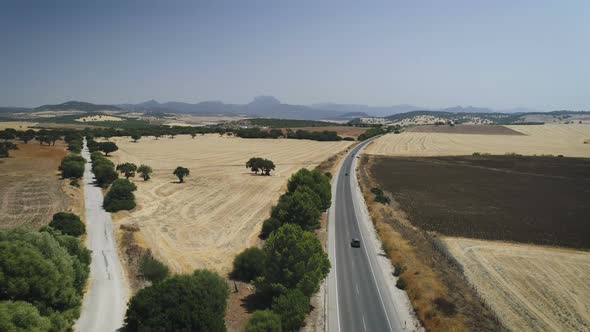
[
  {"x": 292, "y": 308},
  {"x": 268, "y": 226},
  {"x": 22, "y": 316},
  {"x": 264, "y": 321},
  {"x": 120, "y": 196},
  {"x": 299, "y": 208},
  {"x": 397, "y": 269},
  {"x": 72, "y": 167},
  {"x": 317, "y": 182},
  {"x": 68, "y": 223},
  {"x": 152, "y": 269},
  {"x": 446, "y": 307},
  {"x": 105, "y": 175},
  {"x": 248, "y": 265},
  {"x": 195, "y": 302},
  {"x": 401, "y": 283}
]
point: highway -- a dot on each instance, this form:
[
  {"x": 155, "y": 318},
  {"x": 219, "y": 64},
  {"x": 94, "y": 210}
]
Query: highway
[
  {"x": 105, "y": 301},
  {"x": 360, "y": 297}
]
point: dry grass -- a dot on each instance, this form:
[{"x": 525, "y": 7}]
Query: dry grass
[
  {"x": 532, "y": 288},
  {"x": 218, "y": 212},
  {"x": 428, "y": 275},
  {"x": 18, "y": 125},
  {"x": 553, "y": 139},
  {"x": 31, "y": 189}
]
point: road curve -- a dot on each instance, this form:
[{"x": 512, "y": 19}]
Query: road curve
[
  {"x": 105, "y": 301},
  {"x": 360, "y": 294}
]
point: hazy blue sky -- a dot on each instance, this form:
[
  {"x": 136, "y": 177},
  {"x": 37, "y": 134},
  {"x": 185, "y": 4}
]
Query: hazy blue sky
[{"x": 500, "y": 54}]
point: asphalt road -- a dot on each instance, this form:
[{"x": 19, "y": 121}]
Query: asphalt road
[
  {"x": 105, "y": 301},
  {"x": 358, "y": 298}
]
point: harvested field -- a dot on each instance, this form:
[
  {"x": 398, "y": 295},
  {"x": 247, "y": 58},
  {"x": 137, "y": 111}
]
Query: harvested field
[
  {"x": 531, "y": 288},
  {"x": 343, "y": 131},
  {"x": 18, "y": 125},
  {"x": 464, "y": 129},
  {"x": 541, "y": 200},
  {"x": 99, "y": 117},
  {"x": 31, "y": 190},
  {"x": 218, "y": 212},
  {"x": 556, "y": 139}
]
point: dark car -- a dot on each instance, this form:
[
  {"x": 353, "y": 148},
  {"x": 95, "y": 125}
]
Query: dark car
[
  {"x": 355, "y": 243},
  {"x": 345, "y": 174}
]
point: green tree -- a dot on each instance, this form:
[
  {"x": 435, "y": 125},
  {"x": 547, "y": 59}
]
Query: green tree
[
  {"x": 7, "y": 134},
  {"x": 299, "y": 207},
  {"x": 152, "y": 269},
  {"x": 22, "y": 316},
  {"x": 248, "y": 265},
  {"x": 135, "y": 137},
  {"x": 264, "y": 166},
  {"x": 108, "y": 147},
  {"x": 181, "y": 172},
  {"x": 316, "y": 181},
  {"x": 145, "y": 171},
  {"x": 127, "y": 169},
  {"x": 105, "y": 174},
  {"x": 120, "y": 196},
  {"x": 194, "y": 302},
  {"x": 264, "y": 321},
  {"x": 293, "y": 259},
  {"x": 292, "y": 306},
  {"x": 4, "y": 151},
  {"x": 27, "y": 135},
  {"x": 68, "y": 223},
  {"x": 193, "y": 134},
  {"x": 72, "y": 170}
]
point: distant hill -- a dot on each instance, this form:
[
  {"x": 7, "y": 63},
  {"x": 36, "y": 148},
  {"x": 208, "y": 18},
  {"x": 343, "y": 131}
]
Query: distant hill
[
  {"x": 377, "y": 111},
  {"x": 471, "y": 115},
  {"x": 77, "y": 106},
  {"x": 14, "y": 109}
]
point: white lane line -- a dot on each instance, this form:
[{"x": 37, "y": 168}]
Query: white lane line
[
  {"x": 364, "y": 325},
  {"x": 357, "y": 289}
]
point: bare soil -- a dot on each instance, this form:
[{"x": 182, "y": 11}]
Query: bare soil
[
  {"x": 31, "y": 189},
  {"x": 464, "y": 129}
]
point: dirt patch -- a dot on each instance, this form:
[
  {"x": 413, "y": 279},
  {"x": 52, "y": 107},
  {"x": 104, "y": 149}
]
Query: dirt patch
[
  {"x": 464, "y": 129},
  {"x": 541, "y": 200},
  {"x": 532, "y": 288},
  {"x": 442, "y": 298},
  {"x": 567, "y": 140},
  {"x": 32, "y": 190},
  {"x": 219, "y": 210}
]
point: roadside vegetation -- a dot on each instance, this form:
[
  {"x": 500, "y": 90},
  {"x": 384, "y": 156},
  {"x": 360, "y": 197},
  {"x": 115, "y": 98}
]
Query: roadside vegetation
[
  {"x": 42, "y": 276},
  {"x": 289, "y": 268},
  {"x": 264, "y": 166}
]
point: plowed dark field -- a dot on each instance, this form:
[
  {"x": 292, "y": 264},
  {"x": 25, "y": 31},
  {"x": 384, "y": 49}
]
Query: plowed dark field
[{"x": 541, "y": 200}]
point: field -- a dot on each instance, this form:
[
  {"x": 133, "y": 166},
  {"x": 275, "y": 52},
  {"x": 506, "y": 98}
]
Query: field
[
  {"x": 465, "y": 129},
  {"x": 99, "y": 117},
  {"x": 567, "y": 140},
  {"x": 532, "y": 288},
  {"x": 542, "y": 200},
  {"x": 218, "y": 212},
  {"x": 31, "y": 190},
  {"x": 18, "y": 125}
]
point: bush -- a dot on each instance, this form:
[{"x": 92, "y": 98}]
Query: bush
[
  {"x": 397, "y": 269},
  {"x": 248, "y": 265},
  {"x": 268, "y": 226},
  {"x": 120, "y": 196},
  {"x": 292, "y": 308},
  {"x": 195, "y": 302},
  {"x": 22, "y": 316},
  {"x": 68, "y": 224},
  {"x": 317, "y": 182},
  {"x": 152, "y": 269},
  {"x": 264, "y": 321},
  {"x": 72, "y": 167},
  {"x": 446, "y": 307},
  {"x": 401, "y": 283},
  {"x": 299, "y": 208}
]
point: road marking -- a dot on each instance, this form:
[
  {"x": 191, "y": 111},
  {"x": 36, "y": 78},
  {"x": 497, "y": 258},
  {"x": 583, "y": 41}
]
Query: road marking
[
  {"x": 364, "y": 325},
  {"x": 357, "y": 289},
  {"x": 355, "y": 187}
]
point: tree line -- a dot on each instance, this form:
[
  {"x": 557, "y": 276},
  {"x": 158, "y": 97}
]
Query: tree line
[
  {"x": 43, "y": 275},
  {"x": 292, "y": 263}
]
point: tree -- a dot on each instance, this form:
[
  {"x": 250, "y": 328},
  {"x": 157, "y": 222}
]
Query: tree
[
  {"x": 294, "y": 258},
  {"x": 72, "y": 169},
  {"x": 104, "y": 174},
  {"x": 257, "y": 164},
  {"x": 316, "y": 181},
  {"x": 68, "y": 223},
  {"x": 22, "y": 316},
  {"x": 264, "y": 321},
  {"x": 254, "y": 164},
  {"x": 108, "y": 147},
  {"x": 145, "y": 171},
  {"x": 194, "y": 302},
  {"x": 152, "y": 269},
  {"x": 127, "y": 169},
  {"x": 157, "y": 135},
  {"x": 6, "y": 135},
  {"x": 248, "y": 265},
  {"x": 267, "y": 166},
  {"x": 292, "y": 306},
  {"x": 193, "y": 134},
  {"x": 135, "y": 137},
  {"x": 27, "y": 135},
  {"x": 180, "y": 173},
  {"x": 120, "y": 196},
  {"x": 298, "y": 208},
  {"x": 54, "y": 137},
  {"x": 4, "y": 151}
]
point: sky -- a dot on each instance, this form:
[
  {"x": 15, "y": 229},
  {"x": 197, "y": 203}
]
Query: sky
[{"x": 500, "y": 54}]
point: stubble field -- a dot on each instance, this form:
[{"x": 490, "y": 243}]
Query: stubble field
[
  {"x": 218, "y": 211},
  {"x": 31, "y": 190},
  {"x": 556, "y": 139}
]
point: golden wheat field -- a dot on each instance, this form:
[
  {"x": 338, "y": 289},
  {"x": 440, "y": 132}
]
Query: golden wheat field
[
  {"x": 219, "y": 210},
  {"x": 556, "y": 139},
  {"x": 531, "y": 288}
]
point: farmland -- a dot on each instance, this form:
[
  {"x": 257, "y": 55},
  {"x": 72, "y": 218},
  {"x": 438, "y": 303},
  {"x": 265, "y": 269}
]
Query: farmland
[
  {"x": 542, "y": 200},
  {"x": 220, "y": 208},
  {"x": 567, "y": 140},
  {"x": 31, "y": 190}
]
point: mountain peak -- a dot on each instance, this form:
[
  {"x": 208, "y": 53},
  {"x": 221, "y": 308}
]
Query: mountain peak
[{"x": 265, "y": 100}]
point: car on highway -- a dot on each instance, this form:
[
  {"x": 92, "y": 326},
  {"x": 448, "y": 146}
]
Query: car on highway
[
  {"x": 355, "y": 243},
  {"x": 345, "y": 174}
]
